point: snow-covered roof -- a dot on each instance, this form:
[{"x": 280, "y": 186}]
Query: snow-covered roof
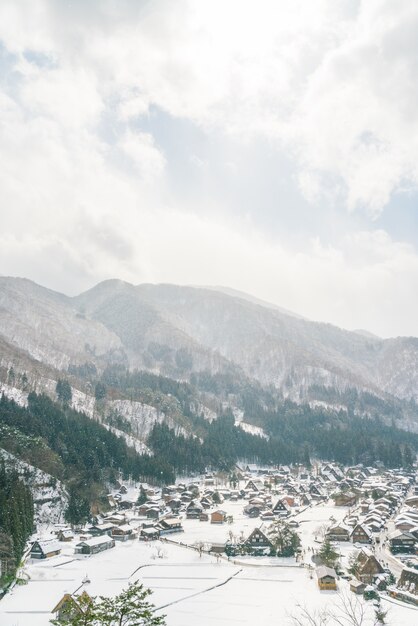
[{"x": 95, "y": 541}]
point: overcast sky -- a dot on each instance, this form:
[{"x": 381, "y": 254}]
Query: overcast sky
[{"x": 269, "y": 146}]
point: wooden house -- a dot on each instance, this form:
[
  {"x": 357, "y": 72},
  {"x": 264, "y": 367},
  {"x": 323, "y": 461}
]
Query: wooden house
[
  {"x": 281, "y": 508},
  {"x": 257, "y": 539},
  {"x": 99, "y": 530},
  {"x": 361, "y": 534},
  {"x": 344, "y": 499},
  {"x": 174, "y": 504},
  {"x": 254, "y": 485},
  {"x": 412, "y": 501},
  {"x": 402, "y": 541},
  {"x": 149, "y": 534},
  {"x": 71, "y": 605},
  {"x": 65, "y": 535},
  {"x": 217, "y": 548},
  {"x": 94, "y": 545},
  {"x": 193, "y": 510},
  {"x": 339, "y": 532},
  {"x": 357, "y": 587},
  {"x": 116, "y": 519},
  {"x": 327, "y": 578},
  {"x": 170, "y": 525},
  {"x": 45, "y": 549},
  {"x": 409, "y": 581},
  {"x": 123, "y": 532},
  {"x": 218, "y": 517},
  {"x": 267, "y": 516},
  {"x": 367, "y": 567},
  {"x": 317, "y": 493},
  {"x": 253, "y": 510}
]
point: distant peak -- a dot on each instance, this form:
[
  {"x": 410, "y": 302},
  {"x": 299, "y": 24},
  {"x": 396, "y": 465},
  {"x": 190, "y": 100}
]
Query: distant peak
[{"x": 236, "y": 293}]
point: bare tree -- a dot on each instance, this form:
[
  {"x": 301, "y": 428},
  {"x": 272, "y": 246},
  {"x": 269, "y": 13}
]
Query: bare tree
[
  {"x": 348, "y": 610},
  {"x": 308, "y": 618}
]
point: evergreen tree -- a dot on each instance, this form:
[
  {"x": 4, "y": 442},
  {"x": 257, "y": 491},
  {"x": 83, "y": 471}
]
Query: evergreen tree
[
  {"x": 64, "y": 393},
  {"x": 100, "y": 391},
  {"x": 142, "y": 497},
  {"x": 327, "y": 554},
  {"x": 78, "y": 508},
  {"x": 284, "y": 539},
  {"x": 130, "y": 608},
  {"x": 216, "y": 497}
]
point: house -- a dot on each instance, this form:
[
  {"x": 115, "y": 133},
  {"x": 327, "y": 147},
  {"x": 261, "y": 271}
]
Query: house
[
  {"x": 357, "y": 587},
  {"x": 317, "y": 492},
  {"x": 367, "y": 567},
  {"x": 361, "y": 534},
  {"x": 153, "y": 513},
  {"x": 149, "y": 534},
  {"x": 344, "y": 499},
  {"x": 339, "y": 532},
  {"x": 174, "y": 504},
  {"x": 409, "y": 581},
  {"x": 71, "y": 605},
  {"x": 123, "y": 532},
  {"x": 402, "y": 541},
  {"x": 171, "y": 525},
  {"x": 267, "y": 516},
  {"x": 65, "y": 535},
  {"x": 252, "y": 510},
  {"x": 218, "y": 517},
  {"x": 45, "y": 549},
  {"x": 116, "y": 519},
  {"x": 193, "y": 510},
  {"x": 217, "y": 548},
  {"x": 254, "y": 485},
  {"x": 327, "y": 578},
  {"x": 281, "y": 508},
  {"x": 99, "y": 530},
  {"x": 412, "y": 501},
  {"x": 407, "y": 587},
  {"x": 257, "y": 539},
  {"x": 94, "y": 545}
]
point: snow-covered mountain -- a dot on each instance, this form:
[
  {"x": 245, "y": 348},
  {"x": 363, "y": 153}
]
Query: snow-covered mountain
[{"x": 177, "y": 330}]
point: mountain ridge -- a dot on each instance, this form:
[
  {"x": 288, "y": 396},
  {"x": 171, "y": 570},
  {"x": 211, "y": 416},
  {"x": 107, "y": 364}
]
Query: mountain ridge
[{"x": 177, "y": 330}]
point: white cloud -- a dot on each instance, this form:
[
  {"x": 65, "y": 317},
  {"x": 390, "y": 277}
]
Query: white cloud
[
  {"x": 146, "y": 157},
  {"x": 84, "y": 193}
]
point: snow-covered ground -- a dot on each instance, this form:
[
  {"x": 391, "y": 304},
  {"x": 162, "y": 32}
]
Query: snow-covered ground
[
  {"x": 187, "y": 587},
  {"x": 49, "y": 495}
]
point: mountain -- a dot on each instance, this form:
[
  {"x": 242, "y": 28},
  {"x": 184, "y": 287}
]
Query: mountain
[
  {"x": 179, "y": 379},
  {"x": 178, "y": 331}
]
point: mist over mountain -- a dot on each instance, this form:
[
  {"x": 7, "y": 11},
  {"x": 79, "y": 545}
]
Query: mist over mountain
[{"x": 176, "y": 330}]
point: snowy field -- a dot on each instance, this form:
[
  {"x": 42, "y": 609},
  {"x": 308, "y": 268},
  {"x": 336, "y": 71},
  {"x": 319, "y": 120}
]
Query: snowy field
[{"x": 189, "y": 588}]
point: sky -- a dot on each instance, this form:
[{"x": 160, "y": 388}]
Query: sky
[{"x": 267, "y": 146}]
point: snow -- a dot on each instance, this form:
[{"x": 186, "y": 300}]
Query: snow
[
  {"x": 49, "y": 495},
  {"x": 190, "y": 588},
  {"x": 252, "y": 430},
  {"x": 13, "y": 393},
  {"x": 187, "y": 588}
]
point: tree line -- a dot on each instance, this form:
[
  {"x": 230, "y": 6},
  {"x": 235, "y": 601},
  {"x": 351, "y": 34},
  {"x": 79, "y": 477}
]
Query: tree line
[{"x": 16, "y": 520}]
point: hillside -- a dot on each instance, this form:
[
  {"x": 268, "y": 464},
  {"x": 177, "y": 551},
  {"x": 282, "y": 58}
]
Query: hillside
[{"x": 180, "y": 332}]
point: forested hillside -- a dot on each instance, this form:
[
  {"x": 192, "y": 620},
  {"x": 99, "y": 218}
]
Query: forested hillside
[{"x": 16, "y": 521}]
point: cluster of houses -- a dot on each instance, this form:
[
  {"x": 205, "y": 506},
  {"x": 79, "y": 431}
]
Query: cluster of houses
[{"x": 380, "y": 509}]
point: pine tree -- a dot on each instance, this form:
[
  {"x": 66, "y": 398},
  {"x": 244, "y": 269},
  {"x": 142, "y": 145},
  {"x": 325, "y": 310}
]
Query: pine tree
[
  {"x": 327, "y": 554},
  {"x": 64, "y": 393},
  {"x": 129, "y": 608}
]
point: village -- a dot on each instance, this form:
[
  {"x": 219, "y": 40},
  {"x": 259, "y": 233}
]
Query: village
[{"x": 236, "y": 544}]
